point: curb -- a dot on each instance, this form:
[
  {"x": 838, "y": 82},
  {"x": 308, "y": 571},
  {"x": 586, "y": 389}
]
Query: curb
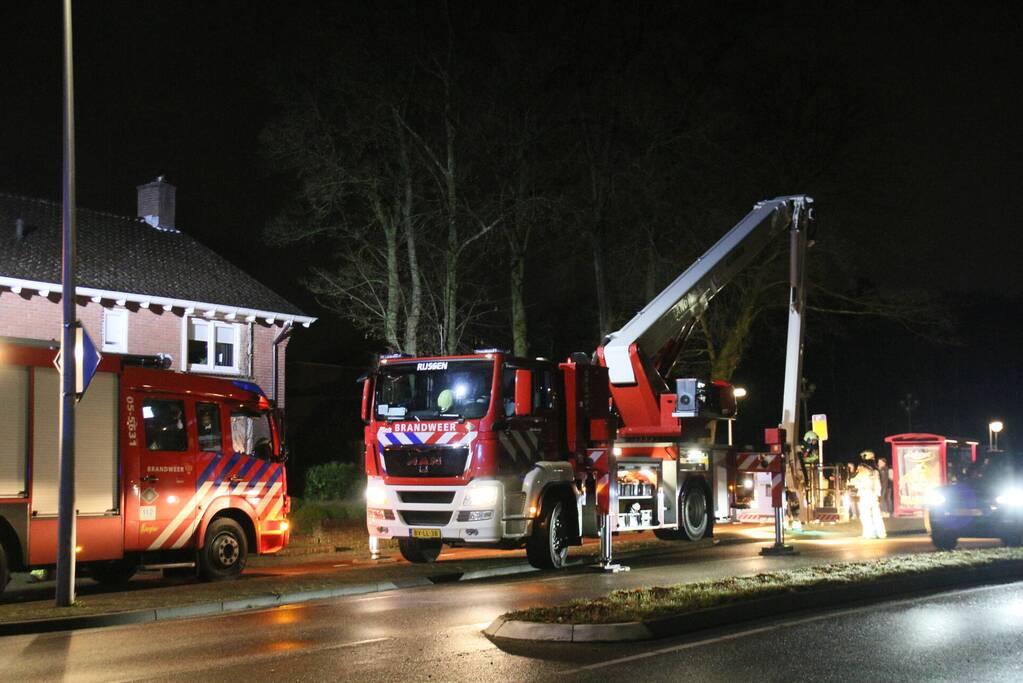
[
  {"x": 253, "y": 602},
  {"x": 683, "y": 624}
]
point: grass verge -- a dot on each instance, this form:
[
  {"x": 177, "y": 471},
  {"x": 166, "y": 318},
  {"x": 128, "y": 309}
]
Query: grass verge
[{"x": 663, "y": 601}]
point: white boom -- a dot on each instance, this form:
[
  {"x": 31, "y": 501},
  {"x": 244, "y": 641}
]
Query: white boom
[{"x": 671, "y": 314}]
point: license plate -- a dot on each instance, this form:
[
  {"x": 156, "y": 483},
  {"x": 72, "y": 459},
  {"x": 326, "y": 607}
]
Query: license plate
[
  {"x": 967, "y": 512},
  {"x": 425, "y": 533}
]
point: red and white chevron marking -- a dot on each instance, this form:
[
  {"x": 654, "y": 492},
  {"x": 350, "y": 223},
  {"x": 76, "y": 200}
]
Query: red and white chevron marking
[
  {"x": 755, "y": 517},
  {"x": 390, "y": 437},
  {"x": 521, "y": 445},
  {"x": 759, "y": 462}
]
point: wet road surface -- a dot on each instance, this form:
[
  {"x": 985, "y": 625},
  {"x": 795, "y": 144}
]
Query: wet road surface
[{"x": 434, "y": 633}]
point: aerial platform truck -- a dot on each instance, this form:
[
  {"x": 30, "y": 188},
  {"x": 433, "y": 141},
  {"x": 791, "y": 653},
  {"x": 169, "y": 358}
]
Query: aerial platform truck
[{"x": 494, "y": 450}]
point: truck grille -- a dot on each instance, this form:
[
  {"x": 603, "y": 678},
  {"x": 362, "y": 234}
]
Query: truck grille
[
  {"x": 425, "y": 461},
  {"x": 425, "y": 518},
  {"x": 430, "y": 497}
]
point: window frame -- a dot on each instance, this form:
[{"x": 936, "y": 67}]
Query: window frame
[
  {"x": 122, "y": 345},
  {"x": 211, "y": 367}
]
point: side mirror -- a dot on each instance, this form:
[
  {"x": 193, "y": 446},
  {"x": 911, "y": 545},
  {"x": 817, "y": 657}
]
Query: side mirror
[
  {"x": 367, "y": 398},
  {"x": 523, "y": 392}
]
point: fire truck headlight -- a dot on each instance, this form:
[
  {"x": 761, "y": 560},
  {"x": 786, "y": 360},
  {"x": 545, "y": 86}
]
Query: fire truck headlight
[
  {"x": 481, "y": 496},
  {"x": 1012, "y": 498},
  {"x": 935, "y": 499},
  {"x": 376, "y": 493}
]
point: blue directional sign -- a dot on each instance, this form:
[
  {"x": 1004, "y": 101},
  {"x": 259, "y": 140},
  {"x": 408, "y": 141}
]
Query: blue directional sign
[{"x": 87, "y": 358}]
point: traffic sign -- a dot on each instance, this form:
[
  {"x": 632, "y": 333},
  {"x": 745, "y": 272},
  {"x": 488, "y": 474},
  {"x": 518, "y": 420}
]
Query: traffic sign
[
  {"x": 87, "y": 358},
  {"x": 820, "y": 426}
]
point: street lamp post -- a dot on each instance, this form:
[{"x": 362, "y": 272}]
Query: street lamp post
[
  {"x": 738, "y": 392},
  {"x": 993, "y": 429}
]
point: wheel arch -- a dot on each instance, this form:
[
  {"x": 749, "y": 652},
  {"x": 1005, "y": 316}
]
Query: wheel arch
[
  {"x": 244, "y": 520},
  {"x": 12, "y": 546}
]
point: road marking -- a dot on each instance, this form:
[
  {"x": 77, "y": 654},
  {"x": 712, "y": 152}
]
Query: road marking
[{"x": 783, "y": 624}]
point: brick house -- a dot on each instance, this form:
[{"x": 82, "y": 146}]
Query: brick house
[{"x": 144, "y": 287}]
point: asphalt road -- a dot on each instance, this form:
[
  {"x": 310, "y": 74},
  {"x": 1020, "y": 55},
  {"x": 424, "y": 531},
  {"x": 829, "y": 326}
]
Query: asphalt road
[{"x": 434, "y": 633}]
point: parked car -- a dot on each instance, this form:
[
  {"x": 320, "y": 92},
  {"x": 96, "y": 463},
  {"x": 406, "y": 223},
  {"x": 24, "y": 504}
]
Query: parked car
[{"x": 985, "y": 502}]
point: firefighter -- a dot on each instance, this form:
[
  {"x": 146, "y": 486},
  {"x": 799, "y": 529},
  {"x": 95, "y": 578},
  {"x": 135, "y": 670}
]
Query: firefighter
[{"x": 868, "y": 485}]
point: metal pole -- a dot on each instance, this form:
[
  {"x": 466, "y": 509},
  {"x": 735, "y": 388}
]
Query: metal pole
[
  {"x": 66, "y": 504},
  {"x": 729, "y": 432}
]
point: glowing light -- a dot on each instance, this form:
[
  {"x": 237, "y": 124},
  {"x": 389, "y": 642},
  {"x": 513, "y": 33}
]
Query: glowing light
[
  {"x": 172, "y": 499},
  {"x": 78, "y": 548},
  {"x": 481, "y": 496},
  {"x": 616, "y": 450},
  {"x": 1012, "y": 497},
  {"x": 461, "y": 391},
  {"x": 376, "y": 494},
  {"x": 936, "y": 499},
  {"x": 285, "y": 526},
  {"x": 996, "y": 426},
  {"x": 739, "y": 392},
  {"x": 532, "y": 511}
]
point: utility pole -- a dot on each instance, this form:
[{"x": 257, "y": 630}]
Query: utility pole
[{"x": 66, "y": 501}]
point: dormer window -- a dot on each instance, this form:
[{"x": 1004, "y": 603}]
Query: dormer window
[{"x": 213, "y": 346}]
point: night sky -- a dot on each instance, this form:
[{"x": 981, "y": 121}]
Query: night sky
[{"x": 932, "y": 100}]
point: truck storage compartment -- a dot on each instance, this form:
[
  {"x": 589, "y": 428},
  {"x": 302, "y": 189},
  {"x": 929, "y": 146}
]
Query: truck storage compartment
[
  {"x": 638, "y": 482},
  {"x": 13, "y": 431},
  {"x": 95, "y": 445}
]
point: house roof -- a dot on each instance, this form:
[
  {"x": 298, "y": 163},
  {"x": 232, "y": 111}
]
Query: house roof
[{"x": 122, "y": 254}]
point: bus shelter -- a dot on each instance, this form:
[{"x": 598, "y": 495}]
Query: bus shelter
[{"x": 921, "y": 462}]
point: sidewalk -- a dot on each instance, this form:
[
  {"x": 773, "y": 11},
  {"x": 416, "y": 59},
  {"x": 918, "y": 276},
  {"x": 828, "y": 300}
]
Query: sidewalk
[{"x": 273, "y": 580}]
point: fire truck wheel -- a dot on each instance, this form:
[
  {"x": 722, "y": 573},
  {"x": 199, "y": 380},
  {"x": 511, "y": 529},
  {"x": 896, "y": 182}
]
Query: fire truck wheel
[
  {"x": 5, "y": 573},
  {"x": 695, "y": 512},
  {"x": 943, "y": 540},
  {"x": 547, "y": 547},
  {"x": 115, "y": 574},
  {"x": 417, "y": 551},
  {"x": 224, "y": 552}
]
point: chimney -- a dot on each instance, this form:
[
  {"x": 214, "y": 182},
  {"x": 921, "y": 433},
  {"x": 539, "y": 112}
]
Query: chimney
[{"x": 156, "y": 204}]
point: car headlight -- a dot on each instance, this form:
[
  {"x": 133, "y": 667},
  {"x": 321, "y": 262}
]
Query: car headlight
[
  {"x": 376, "y": 493},
  {"x": 936, "y": 499},
  {"x": 484, "y": 496},
  {"x": 1012, "y": 497}
]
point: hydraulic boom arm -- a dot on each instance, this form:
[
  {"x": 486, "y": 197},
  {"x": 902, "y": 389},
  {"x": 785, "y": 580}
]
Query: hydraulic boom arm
[{"x": 654, "y": 336}]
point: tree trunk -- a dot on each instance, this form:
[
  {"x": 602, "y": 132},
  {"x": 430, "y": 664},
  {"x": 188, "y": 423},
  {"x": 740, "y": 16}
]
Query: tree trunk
[
  {"x": 518, "y": 301},
  {"x": 451, "y": 257},
  {"x": 600, "y": 285},
  {"x": 415, "y": 302},
  {"x": 393, "y": 288}
]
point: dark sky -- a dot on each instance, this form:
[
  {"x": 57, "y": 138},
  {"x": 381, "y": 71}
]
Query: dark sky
[{"x": 183, "y": 89}]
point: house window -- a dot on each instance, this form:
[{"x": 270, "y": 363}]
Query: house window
[
  {"x": 212, "y": 346},
  {"x": 115, "y": 330}
]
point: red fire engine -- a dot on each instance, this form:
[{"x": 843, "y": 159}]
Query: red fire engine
[
  {"x": 494, "y": 450},
  {"x": 172, "y": 470}
]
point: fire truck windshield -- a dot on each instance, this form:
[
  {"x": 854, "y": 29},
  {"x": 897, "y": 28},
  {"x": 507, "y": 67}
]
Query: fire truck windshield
[{"x": 434, "y": 389}]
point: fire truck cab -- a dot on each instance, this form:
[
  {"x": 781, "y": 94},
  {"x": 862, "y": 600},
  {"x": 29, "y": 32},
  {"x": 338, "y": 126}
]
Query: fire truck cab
[{"x": 172, "y": 470}]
